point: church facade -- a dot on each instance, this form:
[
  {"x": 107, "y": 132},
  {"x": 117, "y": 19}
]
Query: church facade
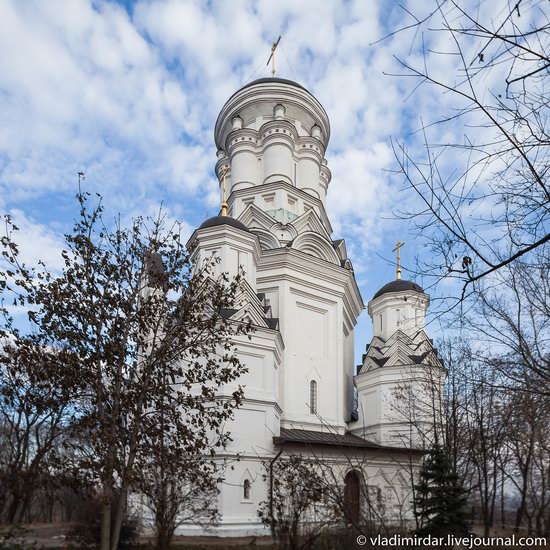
[{"x": 303, "y": 393}]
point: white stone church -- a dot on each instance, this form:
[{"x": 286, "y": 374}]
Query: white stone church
[{"x": 303, "y": 392}]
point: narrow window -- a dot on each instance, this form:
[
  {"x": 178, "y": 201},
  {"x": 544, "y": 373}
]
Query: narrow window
[
  {"x": 313, "y": 397},
  {"x": 416, "y": 317},
  {"x": 380, "y": 321},
  {"x": 398, "y": 315},
  {"x": 246, "y": 489}
]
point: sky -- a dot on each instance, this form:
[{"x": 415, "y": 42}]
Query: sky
[{"x": 128, "y": 93}]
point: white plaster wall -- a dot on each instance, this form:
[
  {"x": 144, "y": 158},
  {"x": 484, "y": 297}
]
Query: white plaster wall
[
  {"x": 396, "y": 404},
  {"x": 309, "y": 302},
  {"x": 349, "y": 371},
  {"x": 277, "y": 163},
  {"x": 234, "y": 248},
  {"x": 244, "y": 169},
  {"x": 394, "y": 311}
]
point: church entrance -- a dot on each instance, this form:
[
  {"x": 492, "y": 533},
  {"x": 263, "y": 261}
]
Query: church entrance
[{"x": 352, "y": 496}]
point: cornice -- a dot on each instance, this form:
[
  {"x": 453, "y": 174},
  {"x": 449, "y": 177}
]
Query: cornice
[
  {"x": 221, "y": 232},
  {"x": 317, "y": 269},
  {"x": 274, "y": 186}
]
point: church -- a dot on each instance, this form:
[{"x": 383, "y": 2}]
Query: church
[{"x": 303, "y": 393}]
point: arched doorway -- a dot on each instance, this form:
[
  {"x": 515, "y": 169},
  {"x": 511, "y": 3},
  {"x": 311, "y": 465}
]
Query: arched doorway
[{"x": 352, "y": 496}]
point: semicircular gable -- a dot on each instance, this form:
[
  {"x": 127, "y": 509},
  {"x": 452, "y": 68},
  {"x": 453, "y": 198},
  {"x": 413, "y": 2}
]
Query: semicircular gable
[
  {"x": 268, "y": 241},
  {"x": 284, "y": 232},
  {"x": 315, "y": 245}
]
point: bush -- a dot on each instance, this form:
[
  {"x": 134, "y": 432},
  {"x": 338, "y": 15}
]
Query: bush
[
  {"x": 87, "y": 531},
  {"x": 343, "y": 539},
  {"x": 12, "y": 537}
]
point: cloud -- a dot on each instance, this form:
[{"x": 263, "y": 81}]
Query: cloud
[
  {"x": 37, "y": 242},
  {"x": 130, "y": 94}
]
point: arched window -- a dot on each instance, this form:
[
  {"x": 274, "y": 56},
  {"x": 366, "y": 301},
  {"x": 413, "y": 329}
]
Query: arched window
[
  {"x": 313, "y": 397},
  {"x": 246, "y": 489}
]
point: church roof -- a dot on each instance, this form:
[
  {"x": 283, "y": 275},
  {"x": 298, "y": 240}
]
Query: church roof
[
  {"x": 400, "y": 349},
  {"x": 221, "y": 220},
  {"x": 310, "y": 437},
  {"x": 323, "y": 438},
  {"x": 399, "y": 285},
  {"x": 251, "y": 303}
]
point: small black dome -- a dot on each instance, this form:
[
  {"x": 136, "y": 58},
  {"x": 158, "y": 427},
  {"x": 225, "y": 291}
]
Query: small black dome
[
  {"x": 220, "y": 220},
  {"x": 398, "y": 286}
]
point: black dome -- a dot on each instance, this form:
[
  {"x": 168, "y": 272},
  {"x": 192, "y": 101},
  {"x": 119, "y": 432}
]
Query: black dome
[
  {"x": 269, "y": 80},
  {"x": 220, "y": 220},
  {"x": 398, "y": 286}
]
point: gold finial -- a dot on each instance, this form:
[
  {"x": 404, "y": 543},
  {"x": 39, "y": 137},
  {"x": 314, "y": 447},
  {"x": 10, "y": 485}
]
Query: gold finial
[
  {"x": 272, "y": 56},
  {"x": 224, "y": 199},
  {"x": 397, "y": 248}
]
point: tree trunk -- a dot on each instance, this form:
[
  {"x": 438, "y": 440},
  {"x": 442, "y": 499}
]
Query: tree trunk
[
  {"x": 106, "y": 518},
  {"x": 119, "y": 517}
]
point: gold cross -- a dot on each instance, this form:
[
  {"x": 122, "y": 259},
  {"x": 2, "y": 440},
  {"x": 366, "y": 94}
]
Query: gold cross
[
  {"x": 272, "y": 56},
  {"x": 397, "y": 248},
  {"x": 224, "y": 199}
]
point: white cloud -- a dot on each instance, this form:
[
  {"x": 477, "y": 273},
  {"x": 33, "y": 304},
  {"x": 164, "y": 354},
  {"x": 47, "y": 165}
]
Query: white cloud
[
  {"x": 37, "y": 242},
  {"x": 131, "y": 97}
]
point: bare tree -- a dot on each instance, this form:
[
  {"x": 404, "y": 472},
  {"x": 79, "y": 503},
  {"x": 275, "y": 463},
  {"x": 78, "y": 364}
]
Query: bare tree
[
  {"x": 510, "y": 324},
  {"x": 296, "y": 510},
  {"x": 484, "y": 199},
  {"x": 178, "y": 491},
  {"x": 131, "y": 309},
  {"x": 34, "y": 418}
]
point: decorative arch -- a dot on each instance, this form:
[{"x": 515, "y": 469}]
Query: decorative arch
[
  {"x": 254, "y": 217},
  {"x": 310, "y": 221},
  {"x": 268, "y": 241},
  {"x": 284, "y": 232},
  {"x": 316, "y": 245}
]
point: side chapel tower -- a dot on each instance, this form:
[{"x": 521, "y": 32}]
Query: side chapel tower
[{"x": 300, "y": 294}]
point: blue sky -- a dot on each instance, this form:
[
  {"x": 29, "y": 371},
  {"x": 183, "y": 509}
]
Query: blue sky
[{"x": 128, "y": 92}]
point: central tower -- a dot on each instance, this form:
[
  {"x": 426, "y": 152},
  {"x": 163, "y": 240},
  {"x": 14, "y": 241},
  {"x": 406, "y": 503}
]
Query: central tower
[
  {"x": 300, "y": 291},
  {"x": 271, "y": 137}
]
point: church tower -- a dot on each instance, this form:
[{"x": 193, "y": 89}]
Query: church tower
[
  {"x": 300, "y": 291},
  {"x": 399, "y": 381},
  {"x": 271, "y": 137}
]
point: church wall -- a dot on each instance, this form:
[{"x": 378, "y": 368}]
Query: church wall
[
  {"x": 310, "y": 308},
  {"x": 257, "y": 420},
  {"x": 307, "y": 177},
  {"x": 395, "y": 405},
  {"x": 313, "y": 355},
  {"x": 277, "y": 163},
  {"x": 239, "y": 514},
  {"x": 232, "y": 247},
  {"x": 395, "y": 311},
  {"x": 244, "y": 169}
]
